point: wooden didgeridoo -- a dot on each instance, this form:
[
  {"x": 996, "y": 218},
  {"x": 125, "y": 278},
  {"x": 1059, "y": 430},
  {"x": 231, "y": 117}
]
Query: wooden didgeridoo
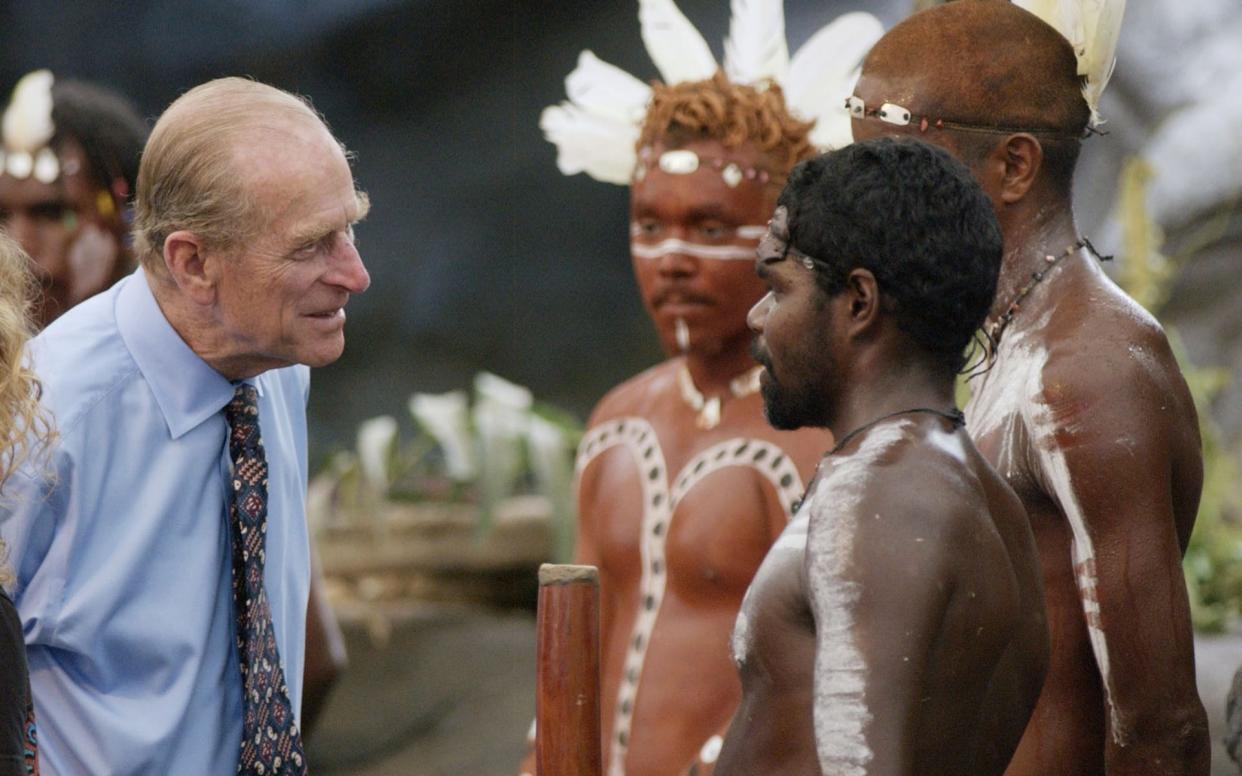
[{"x": 567, "y": 721}]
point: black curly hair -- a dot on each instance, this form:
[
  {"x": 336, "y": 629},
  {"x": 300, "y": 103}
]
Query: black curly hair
[{"x": 914, "y": 217}]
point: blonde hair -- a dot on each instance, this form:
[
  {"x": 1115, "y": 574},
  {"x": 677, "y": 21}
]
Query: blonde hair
[
  {"x": 24, "y": 428},
  {"x": 188, "y": 178}
]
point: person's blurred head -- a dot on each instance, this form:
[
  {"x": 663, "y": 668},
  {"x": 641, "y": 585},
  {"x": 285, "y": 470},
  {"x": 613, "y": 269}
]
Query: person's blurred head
[
  {"x": 70, "y": 164},
  {"x": 712, "y": 156},
  {"x": 882, "y": 251},
  {"x": 244, "y": 213}
]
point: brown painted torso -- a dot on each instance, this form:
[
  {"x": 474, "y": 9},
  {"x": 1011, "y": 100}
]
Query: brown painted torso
[{"x": 672, "y": 579}]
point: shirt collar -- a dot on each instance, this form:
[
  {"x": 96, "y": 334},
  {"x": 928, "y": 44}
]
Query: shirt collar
[{"x": 187, "y": 390}]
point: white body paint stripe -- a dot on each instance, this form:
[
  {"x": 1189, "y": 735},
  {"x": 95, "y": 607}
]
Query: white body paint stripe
[
  {"x": 1021, "y": 384},
  {"x": 673, "y": 246},
  {"x": 841, "y": 713},
  {"x": 1082, "y": 553},
  {"x": 658, "y": 506}
]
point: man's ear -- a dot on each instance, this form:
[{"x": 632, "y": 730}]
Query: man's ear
[
  {"x": 190, "y": 267},
  {"x": 1022, "y": 158},
  {"x": 862, "y": 301}
]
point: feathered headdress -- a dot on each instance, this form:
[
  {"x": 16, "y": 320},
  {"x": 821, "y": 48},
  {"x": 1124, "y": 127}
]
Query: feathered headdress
[
  {"x": 27, "y": 128},
  {"x": 596, "y": 129},
  {"x": 1092, "y": 27}
]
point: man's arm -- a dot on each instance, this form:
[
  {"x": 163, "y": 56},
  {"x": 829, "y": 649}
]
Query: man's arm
[
  {"x": 879, "y": 586},
  {"x": 1119, "y": 454}
]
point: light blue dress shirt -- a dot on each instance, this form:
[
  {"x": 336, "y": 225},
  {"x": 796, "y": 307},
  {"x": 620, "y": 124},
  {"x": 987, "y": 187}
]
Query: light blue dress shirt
[{"x": 120, "y": 543}]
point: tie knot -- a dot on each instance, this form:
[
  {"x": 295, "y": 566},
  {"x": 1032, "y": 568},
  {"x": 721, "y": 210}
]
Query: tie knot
[{"x": 243, "y": 409}]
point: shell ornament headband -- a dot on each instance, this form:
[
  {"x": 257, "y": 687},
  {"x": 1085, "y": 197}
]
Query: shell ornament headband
[
  {"x": 27, "y": 130},
  {"x": 1092, "y": 27},
  {"x": 595, "y": 131}
]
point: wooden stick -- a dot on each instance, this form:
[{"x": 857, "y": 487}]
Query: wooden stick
[{"x": 567, "y": 728}]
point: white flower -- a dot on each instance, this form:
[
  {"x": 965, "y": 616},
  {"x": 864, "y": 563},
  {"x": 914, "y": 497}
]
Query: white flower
[
  {"x": 491, "y": 388},
  {"x": 377, "y": 439},
  {"x": 445, "y": 417}
]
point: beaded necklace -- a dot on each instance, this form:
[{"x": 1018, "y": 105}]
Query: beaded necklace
[{"x": 998, "y": 326}]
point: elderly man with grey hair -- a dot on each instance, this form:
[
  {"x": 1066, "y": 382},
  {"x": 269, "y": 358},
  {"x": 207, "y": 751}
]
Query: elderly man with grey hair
[{"x": 161, "y": 552}]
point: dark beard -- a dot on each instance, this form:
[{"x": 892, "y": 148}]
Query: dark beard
[{"x": 786, "y": 408}]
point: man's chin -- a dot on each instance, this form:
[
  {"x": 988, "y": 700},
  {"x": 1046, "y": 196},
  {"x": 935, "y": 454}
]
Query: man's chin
[
  {"x": 322, "y": 354},
  {"x": 781, "y": 413}
]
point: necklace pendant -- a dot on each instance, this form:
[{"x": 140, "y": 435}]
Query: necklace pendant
[{"x": 709, "y": 416}]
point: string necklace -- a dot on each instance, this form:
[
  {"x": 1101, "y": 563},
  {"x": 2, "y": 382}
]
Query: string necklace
[
  {"x": 709, "y": 408},
  {"x": 954, "y": 416},
  {"x": 997, "y": 327}
]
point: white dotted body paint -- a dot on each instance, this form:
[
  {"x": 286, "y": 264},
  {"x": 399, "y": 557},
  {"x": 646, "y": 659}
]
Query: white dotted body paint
[
  {"x": 659, "y": 503},
  {"x": 1007, "y": 400},
  {"x": 841, "y": 713}
]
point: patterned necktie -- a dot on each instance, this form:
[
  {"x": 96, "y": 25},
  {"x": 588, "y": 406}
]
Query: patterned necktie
[{"x": 270, "y": 741}]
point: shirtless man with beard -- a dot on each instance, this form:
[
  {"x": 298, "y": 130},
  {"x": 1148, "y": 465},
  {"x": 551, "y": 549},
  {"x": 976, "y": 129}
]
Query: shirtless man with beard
[
  {"x": 1084, "y": 410},
  {"x": 897, "y": 626}
]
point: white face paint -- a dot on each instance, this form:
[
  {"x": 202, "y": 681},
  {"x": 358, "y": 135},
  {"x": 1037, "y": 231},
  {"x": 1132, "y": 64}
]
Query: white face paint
[
  {"x": 681, "y": 330},
  {"x": 714, "y": 251},
  {"x": 673, "y": 246},
  {"x": 841, "y": 713}
]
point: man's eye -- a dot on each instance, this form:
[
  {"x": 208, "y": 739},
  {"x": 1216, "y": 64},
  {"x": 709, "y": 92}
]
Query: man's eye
[
  {"x": 714, "y": 231},
  {"x": 649, "y": 228}
]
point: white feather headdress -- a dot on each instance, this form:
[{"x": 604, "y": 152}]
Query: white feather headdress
[
  {"x": 1092, "y": 27},
  {"x": 27, "y": 128},
  {"x": 595, "y": 130}
]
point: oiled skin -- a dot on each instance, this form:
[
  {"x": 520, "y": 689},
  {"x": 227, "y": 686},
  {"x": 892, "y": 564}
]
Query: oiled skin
[
  {"x": 948, "y": 623},
  {"x": 1119, "y": 412}
]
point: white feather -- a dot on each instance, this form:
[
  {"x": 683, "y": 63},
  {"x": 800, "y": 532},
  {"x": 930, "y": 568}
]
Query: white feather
[
  {"x": 823, "y": 72},
  {"x": 755, "y": 49},
  {"x": 1102, "y": 30},
  {"x": 599, "y": 146},
  {"x": 28, "y": 120},
  {"x": 676, "y": 47},
  {"x": 1093, "y": 28},
  {"x": 607, "y": 90}
]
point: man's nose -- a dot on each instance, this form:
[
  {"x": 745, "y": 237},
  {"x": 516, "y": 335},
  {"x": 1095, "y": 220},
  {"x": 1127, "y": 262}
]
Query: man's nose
[
  {"x": 348, "y": 271},
  {"x": 758, "y": 315},
  {"x": 677, "y": 262}
]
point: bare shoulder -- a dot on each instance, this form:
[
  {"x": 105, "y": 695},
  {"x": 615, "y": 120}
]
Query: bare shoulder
[
  {"x": 1109, "y": 361},
  {"x": 904, "y": 484},
  {"x": 636, "y": 395}
]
